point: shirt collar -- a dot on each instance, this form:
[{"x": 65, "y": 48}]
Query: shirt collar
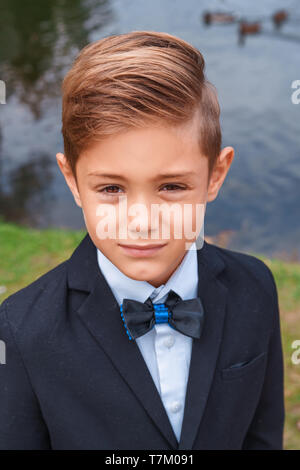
[{"x": 184, "y": 280}]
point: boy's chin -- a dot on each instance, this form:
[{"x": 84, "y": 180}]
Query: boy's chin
[{"x": 141, "y": 274}]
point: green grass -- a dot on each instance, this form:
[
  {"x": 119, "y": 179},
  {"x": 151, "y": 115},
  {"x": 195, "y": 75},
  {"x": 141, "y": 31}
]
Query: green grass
[
  {"x": 26, "y": 254},
  {"x": 287, "y": 277}
]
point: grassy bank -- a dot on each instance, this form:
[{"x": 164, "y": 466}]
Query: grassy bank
[{"x": 25, "y": 254}]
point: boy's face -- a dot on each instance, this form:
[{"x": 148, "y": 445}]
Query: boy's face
[{"x": 136, "y": 160}]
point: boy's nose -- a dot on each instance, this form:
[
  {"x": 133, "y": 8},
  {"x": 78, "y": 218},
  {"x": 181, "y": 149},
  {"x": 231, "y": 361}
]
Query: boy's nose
[{"x": 139, "y": 219}]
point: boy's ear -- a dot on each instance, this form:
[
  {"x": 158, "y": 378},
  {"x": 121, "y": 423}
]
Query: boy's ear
[
  {"x": 219, "y": 172},
  {"x": 69, "y": 177}
]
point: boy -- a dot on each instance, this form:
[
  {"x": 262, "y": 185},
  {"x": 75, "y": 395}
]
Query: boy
[{"x": 134, "y": 343}]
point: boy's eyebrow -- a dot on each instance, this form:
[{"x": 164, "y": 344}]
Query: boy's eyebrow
[
  {"x": 175, "y": 175},
  {"x": 161, "y": 175}
]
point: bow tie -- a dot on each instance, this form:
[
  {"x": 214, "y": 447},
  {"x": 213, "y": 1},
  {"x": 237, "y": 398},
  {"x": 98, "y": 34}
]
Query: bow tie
[{"x": 186, "y": 316}]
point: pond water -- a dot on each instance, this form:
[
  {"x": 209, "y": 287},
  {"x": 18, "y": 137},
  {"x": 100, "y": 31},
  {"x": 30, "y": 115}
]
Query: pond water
[{"x": 258, "y": 206}]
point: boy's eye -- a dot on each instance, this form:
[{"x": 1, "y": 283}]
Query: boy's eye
[
  {"x": 174, "y": 186},
  {"x": 107, "y": 189},
  {"x": 103, "y": 190}
]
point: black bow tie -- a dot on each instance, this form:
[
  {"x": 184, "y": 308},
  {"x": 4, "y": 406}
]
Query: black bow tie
[{"x": 186, "y": 316}]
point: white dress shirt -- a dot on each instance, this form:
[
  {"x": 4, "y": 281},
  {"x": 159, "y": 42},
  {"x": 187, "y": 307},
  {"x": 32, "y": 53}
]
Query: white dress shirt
[{"x": 166, "y": 351}]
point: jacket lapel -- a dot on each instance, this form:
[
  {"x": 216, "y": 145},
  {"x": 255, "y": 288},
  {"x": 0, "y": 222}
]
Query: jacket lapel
[
  {"x": 100, "y": 313},
  {"x": 213, "y": 294}
]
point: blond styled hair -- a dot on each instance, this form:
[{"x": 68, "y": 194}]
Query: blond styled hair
[{"x": 134, "y": 80}]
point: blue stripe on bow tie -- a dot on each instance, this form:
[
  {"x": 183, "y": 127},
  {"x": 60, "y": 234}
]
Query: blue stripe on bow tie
[
  {"x": 161, "y": 314},
  {"x": 122, "y": 316}
]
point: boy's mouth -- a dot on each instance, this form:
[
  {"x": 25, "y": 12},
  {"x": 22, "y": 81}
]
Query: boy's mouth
[{"x": 142, "y": 250}]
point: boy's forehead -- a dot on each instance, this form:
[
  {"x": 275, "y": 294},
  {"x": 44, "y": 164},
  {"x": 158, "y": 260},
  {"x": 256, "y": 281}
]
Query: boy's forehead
[
  {"x": 151, "y": 147},
  {"x": 146, "y": 154}
]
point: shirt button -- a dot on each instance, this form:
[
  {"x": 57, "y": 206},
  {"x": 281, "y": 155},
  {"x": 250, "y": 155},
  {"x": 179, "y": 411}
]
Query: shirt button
[
  {"x": 169, "y": 341},
  {"x": 176, "y": 406}
]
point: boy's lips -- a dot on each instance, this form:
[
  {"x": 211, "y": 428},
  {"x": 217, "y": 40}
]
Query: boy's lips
[{"x": 142, "y": 250}]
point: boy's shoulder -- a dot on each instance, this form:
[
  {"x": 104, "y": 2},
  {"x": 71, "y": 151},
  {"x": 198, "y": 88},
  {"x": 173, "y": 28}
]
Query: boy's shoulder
[
  {"x": 244, "y": 269},
  {"x": 40, "y": 284},
  {"x": 44, "y": 299},
  {"x": 46, "y": 288}
]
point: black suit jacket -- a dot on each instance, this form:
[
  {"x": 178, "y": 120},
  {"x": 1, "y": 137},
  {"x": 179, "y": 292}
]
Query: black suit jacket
[{"x": 73, "y": 380}]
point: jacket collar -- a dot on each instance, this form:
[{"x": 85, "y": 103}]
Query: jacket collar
[{"x": 100, "y": 313}]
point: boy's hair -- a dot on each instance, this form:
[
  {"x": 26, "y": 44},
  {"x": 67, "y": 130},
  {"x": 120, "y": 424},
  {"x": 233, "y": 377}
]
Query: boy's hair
[{"x": 134, "y": 80}]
